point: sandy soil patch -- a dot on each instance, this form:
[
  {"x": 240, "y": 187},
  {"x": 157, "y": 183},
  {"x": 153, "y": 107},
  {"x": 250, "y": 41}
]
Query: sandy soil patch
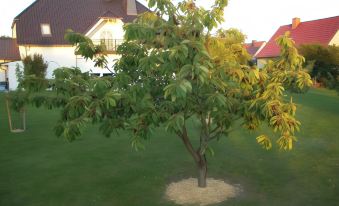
[{"x": 187, "y": 192}]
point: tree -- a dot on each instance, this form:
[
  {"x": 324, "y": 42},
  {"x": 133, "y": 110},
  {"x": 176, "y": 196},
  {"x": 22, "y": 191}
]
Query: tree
[
  {"x": 31, "y": 79},
  {"x": 35, "y": 65},
  {"x": 33, "y": 76},
  {"x": 324, "y": 61},
  {"x": 171, "y": 70}
]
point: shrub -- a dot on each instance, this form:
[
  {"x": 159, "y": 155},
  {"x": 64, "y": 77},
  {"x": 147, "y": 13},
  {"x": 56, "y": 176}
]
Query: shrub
[
  {"x": 324, "y": 61},
  {"x": 35, "y": 65},
  {"x": 34, "y": 73}
]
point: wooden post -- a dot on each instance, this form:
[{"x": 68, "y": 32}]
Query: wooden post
[
  {"x": 22, "y": 116},
  {"x": 9, "y": 115},
  {"x": 24, "y": 119}
]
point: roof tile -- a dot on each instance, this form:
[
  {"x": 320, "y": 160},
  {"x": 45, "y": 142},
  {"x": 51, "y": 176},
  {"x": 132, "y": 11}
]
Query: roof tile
[
  {"x": 77, "y": 15},
  {"x": 9, "y": 50},
  {"x": 252, "y": 48},
  {"x": 319, "y": 31}
]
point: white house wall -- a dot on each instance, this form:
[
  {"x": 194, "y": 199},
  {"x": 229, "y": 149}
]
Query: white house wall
[
  {"x": 14, "y": 31},
  {"x": 114, "y": 26},
  {"x": 55, "y": 56},
  {"x": 63, "y": 56},
  {"x": 11, "y": 72},
  {"x": 2, "y": 75},
  {"x": 88, "y": 66}
]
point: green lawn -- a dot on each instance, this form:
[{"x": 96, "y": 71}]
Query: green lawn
[{"x": 36, "y": 168}]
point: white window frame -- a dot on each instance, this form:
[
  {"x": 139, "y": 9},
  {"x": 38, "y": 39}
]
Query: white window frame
[{"x": 46, "y": 30}]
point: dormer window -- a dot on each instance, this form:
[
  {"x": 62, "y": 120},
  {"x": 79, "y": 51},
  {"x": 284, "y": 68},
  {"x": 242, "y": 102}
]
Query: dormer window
[
  {"x": 46, "y": 30},
  {"x": 106, "y": 38}
]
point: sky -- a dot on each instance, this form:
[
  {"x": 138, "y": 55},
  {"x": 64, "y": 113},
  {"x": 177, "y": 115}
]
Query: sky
[{"x": 257, "y": 19}]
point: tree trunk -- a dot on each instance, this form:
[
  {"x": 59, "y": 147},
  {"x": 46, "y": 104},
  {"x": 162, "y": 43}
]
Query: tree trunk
[
  {"x": 202, "y": 174},
  {"x": 199, "y": 159}
]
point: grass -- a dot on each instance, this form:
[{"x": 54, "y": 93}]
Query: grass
[{"x": 36, "y": 168}]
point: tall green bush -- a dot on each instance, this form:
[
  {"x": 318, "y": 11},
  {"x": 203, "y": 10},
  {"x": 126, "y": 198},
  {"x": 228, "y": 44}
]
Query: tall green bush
[
  {"x": 34, "y": 78},
  {"x": 35, "y": 65},
  {"x": 325, "y": 63}
]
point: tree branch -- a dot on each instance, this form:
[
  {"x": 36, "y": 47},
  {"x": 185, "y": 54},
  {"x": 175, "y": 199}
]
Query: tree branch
[
  {"x": 188, "y": 144},
  {"x": 214, "y": 136}
]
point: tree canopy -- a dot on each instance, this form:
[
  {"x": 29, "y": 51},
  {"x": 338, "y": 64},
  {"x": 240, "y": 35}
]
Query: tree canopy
[{"x": 173, "y": 69}]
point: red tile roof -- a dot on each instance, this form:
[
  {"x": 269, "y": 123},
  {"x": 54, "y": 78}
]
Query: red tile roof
[
  {"x": 109, "y": 14},
  {"x": 9, "y": 50},
  {"x": 252, "y": 48},
  {"x": 319, "y": 31},
  {"x": 78, "y": 15}
]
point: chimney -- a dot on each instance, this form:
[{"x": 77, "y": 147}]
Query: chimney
[
  {"x": 295, "y": 22},
  {"x": 131, "y": 7}
]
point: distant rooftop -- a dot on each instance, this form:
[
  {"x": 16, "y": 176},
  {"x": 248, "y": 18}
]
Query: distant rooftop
[
  {"x": 253, "y": 47},
  {"x": 319, "y": 31},
  {"x": 9, "y": 50}
]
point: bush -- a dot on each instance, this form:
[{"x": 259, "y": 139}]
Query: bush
[
  {"x": 34, "y": 74},
  {"x": 325, "y": 63},
  {"x": 35, "y": 65}
]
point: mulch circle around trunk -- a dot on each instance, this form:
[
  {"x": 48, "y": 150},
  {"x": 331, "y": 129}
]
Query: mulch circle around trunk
[{"x": 187, "y": 192}]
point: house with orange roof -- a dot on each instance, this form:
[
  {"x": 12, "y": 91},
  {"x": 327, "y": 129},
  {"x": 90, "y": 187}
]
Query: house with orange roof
[{"x": 321, "y": 31}]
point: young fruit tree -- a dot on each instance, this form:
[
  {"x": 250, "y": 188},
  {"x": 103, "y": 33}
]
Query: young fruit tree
[{"x": 172, "y": 70}]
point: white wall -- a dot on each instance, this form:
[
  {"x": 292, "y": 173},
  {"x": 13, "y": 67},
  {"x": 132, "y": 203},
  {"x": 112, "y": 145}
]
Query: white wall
[
  {"x": 88, "y": 66},
  {"x": 55, "y": 56},
  {"x": 11, "y": 72},
  {"x": 14, "y": 31},
  {"x": 115, "y": 26},
  {"x": 2, "y": 74}
]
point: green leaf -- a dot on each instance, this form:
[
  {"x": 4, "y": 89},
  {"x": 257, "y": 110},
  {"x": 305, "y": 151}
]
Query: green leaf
[
  {"x": 265, "y": 142},
  {"x": 210, "y": 151},
  {"x": 175, "y": 123}
]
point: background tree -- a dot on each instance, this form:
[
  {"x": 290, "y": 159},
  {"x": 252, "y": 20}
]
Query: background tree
[
  {"x": 31, "y": 79},
  {"x": 35, "y": 65},
  {"x": 324, "y": 61},
  {"x": 34, "y": 73},
  {"x": 171, "y": 71}
]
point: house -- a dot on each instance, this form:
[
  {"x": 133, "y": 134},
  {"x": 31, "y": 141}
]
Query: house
[
  {"x": 321, "y": 31},
  {"x": 41, "y": 27},
  {"x": 254, "y": 48},
  {"x": 9, "y": 52}
]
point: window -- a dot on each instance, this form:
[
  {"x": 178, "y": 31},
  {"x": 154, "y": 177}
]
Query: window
[
  {"x": 46, "y": 30},
  {"x": 107, "y": 40},
  {"x": 95, "y": 74},
  {"x": 107, "y": 74}
]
